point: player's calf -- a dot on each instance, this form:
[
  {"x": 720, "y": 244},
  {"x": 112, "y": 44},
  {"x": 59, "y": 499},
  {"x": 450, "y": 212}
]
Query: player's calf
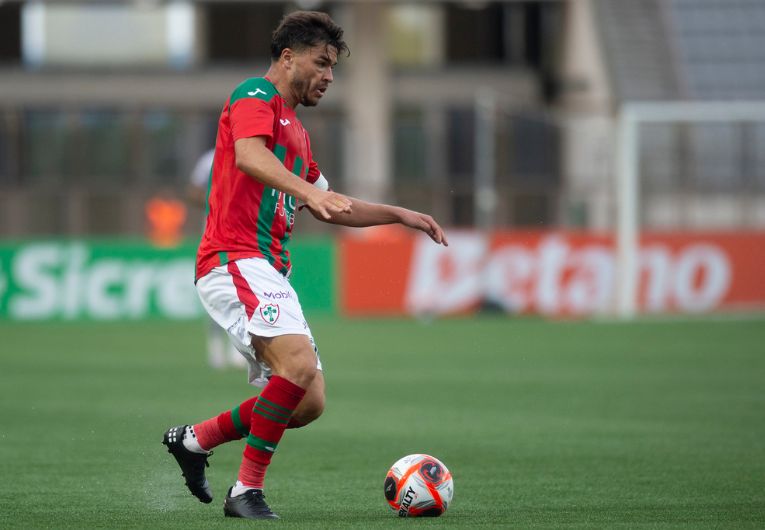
[{"x": 312, "y": 405}]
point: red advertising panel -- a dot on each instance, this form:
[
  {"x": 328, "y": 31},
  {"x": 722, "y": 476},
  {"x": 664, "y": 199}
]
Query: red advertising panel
[
  {"x": 374, "y": 272},
  {"x": 549, "y": 273}
]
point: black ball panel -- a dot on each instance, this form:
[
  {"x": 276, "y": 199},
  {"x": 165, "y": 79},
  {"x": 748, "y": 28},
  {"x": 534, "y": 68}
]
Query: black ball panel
[
  {"x": 431, "y": 471},
  {"x": 431, "y": 512},
  {"x": 390, "y": 488}
]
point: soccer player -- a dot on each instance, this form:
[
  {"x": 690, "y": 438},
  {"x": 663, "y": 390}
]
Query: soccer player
[{"x": 263, "y": 169}]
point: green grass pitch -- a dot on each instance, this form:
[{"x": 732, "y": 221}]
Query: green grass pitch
[{"x": 543, "y": 425}]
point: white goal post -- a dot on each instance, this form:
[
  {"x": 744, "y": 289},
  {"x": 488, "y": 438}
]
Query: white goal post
[{"x": 629, "y": 119}]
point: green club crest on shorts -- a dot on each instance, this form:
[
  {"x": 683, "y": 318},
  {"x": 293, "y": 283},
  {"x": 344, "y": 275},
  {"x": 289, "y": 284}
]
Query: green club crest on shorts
[{"x": 270, "y": 313}]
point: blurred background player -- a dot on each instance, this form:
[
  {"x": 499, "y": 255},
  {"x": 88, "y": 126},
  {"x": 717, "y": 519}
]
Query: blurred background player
[
  {"x": 220, "y": 351},
  {"x": 165, "y": 217}
]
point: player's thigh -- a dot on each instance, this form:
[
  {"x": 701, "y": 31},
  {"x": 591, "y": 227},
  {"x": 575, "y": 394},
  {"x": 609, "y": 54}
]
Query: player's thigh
[{"x": 290, "y": 356}]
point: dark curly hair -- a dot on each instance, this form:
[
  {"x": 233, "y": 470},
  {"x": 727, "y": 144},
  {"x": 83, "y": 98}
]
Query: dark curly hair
[{"x": 304, "y": 29}]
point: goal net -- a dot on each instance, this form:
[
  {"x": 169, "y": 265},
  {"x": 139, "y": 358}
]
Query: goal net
[{"x": 684, "y": 165}]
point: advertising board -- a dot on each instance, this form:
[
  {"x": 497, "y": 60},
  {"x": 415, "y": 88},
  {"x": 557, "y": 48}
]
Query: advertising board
[
  {"x": 549, "y": 273},
  {"x": 130, "y": 279}
]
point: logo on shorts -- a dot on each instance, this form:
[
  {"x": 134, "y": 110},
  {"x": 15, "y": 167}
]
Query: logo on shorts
[
  {"x": 270, "y": 313},
  {"x": 277, "y": 295}
]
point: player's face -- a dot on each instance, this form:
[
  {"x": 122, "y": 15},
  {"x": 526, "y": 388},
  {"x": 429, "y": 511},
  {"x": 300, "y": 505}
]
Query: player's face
[{"x": 312, "y": 73}]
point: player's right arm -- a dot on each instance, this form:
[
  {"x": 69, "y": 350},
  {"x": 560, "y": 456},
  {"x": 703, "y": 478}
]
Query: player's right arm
[{"x": 258, "y": 161}]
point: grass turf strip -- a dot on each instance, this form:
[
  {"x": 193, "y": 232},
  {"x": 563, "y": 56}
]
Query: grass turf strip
[{"x": 543, "y": 425}]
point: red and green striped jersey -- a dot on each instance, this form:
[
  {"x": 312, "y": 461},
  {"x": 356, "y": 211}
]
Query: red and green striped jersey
[{"x": 245, "y": 218}]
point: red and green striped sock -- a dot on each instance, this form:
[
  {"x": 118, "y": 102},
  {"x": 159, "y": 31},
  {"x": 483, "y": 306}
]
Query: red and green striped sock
[
  {"x": 231, "y": 425},
  {"x": 270, "y": 415},
  {"x": 228, "y": 426}
]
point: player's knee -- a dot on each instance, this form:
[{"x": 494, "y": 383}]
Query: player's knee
[
  {"x": 301, "y": 370},
  {"x": 307, "y": 369}
]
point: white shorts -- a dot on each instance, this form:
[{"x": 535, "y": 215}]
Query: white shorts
[{"x": 249, "y": 297}]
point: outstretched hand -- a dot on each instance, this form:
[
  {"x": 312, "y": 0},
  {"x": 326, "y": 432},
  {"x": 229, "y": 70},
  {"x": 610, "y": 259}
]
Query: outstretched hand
[
  {"x": 426, "y": 223},
  {"x": 327, "y": 203}
]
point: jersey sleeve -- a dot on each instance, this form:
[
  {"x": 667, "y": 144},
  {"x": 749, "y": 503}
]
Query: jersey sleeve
[
  {"x": 251, "y": 117},
  {"x": 315, "y": 177},
  {"x": 313, "y": 172}
]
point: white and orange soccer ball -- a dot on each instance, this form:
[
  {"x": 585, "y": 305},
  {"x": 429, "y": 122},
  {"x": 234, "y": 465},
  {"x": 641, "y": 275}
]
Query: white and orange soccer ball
[{"x": 419, "y": 486}]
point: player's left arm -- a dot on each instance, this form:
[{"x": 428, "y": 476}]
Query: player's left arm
[{"x": 365, "y": 213}]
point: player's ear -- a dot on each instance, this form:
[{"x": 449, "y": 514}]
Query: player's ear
[{"x": 287, "y": 57}]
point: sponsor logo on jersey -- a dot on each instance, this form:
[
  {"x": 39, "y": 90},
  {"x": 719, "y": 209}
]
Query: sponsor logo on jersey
[
  {"x": 256, "y": 92},
  {"x": 270, "y": 313},
  {"x": 284, "y": 121},
  {"x": 285, "y": 208}
]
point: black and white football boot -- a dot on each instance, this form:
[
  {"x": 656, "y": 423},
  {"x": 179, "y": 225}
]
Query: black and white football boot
[
  {"x": 249, "y": 505},
  {"x": 192, "y": 464}
]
